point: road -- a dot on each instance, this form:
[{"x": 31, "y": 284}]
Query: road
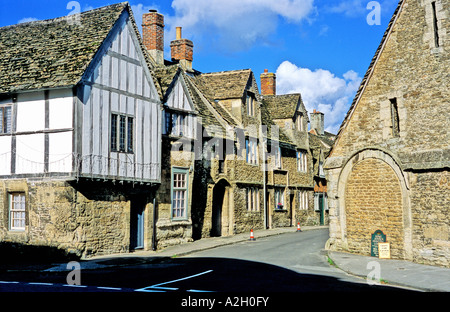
[{"x": 284, "y": 263}]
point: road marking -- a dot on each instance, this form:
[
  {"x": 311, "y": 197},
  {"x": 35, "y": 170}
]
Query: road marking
[
  {"x": 7, "y": 282},
  {"x": 80, "y": 286},
  {"x": 198, "y": 291},
  {"x": 109, "y": 288},
  {"x": 158, "y": 286},
  {"x": 41, "y": 284}
]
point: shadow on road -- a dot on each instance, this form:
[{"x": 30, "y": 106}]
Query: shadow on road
[{"x": 228, "y": 275}]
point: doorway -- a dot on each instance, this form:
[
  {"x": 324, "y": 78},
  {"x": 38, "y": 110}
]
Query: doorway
[
  {"x": 219, "y": 208},
  {"x": 321, "y": 209},
  {"x": 137, "y": 224}
]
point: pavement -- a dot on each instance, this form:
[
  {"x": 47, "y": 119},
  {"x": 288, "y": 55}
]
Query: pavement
[{"x": 387, "y": 271}]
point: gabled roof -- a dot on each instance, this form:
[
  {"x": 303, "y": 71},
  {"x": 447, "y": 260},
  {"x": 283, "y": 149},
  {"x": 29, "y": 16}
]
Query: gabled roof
[
  {"x": 370, "y": 70},
  {"x": 224, "y": 85},
  {"x": 284, "y": 106},
  {"x": 56, "y": 52}
]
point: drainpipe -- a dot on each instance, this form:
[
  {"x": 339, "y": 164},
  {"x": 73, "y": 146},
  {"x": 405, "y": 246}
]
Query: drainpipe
[
  {"x": 264, "y": 149},
  {"x": 265, "y": 184},
  {"x": 154, "y": 224}
]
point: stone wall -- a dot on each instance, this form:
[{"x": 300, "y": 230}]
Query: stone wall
[
  {"x": 173, "y": 232},
  {"x": 413, "y": 73},
  {"x": 83, "y": 218},
  {"x": 373, "y": 198},
  {"x": 431, "y": 222}
]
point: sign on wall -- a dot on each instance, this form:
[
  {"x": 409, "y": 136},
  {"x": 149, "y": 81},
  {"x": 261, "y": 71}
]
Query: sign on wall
[{"x": 377, "y": 237}]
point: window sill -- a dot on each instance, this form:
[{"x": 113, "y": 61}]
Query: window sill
[
  {"x": 122, "y": 152},
  {"x": 280, "y": 210}
]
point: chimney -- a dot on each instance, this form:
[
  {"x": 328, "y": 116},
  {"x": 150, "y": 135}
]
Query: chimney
[
  {"x": 268, "y": 83},
  {"x": 317, "y": 122},
  {"x": 153, "y": 35},
  {"x": 182, "y": 51}
]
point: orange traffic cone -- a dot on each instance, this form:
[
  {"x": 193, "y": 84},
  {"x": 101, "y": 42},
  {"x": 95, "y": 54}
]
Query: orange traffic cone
[
  {"x": 252, "y": 236},
  {"x": 298, "y": 227}
]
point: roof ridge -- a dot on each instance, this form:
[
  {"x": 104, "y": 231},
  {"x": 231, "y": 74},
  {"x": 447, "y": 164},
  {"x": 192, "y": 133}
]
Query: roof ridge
[
  {"x": 62, "y": 18},
  {"x": 227, "y": 72}
]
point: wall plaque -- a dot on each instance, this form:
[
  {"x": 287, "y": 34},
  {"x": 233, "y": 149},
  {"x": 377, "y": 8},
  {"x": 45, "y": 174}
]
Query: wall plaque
[
  {"x": 377, "y": 237},
  {"x": 384, "y": 251}
]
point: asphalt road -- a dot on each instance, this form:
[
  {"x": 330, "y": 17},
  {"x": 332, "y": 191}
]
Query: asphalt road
[{"x": 285, "y": 263}]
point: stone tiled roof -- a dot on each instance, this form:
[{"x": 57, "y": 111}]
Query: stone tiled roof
[
  {"x": 54, "y": 53},
  {"x": 224, "y": 85},
  {"x": 282, "y": 106}
]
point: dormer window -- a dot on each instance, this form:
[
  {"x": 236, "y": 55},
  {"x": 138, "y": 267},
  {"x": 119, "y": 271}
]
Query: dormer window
[
  {"x": 177, "y": 124},
  {"x": 251, "y": 104},
  {"x": 299, "y": 122}
]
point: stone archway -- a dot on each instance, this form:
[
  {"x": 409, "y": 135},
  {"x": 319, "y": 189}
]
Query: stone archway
[
  {"x": 373, "y": 194},
  {"x": 220, "y": 209}
]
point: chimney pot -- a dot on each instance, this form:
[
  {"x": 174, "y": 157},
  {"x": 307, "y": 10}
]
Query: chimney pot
[{"x": 178, "y": 36}]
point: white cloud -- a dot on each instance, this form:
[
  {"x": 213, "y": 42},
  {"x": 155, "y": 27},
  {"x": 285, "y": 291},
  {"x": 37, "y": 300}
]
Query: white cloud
[
  {"x": 235, "y": 24},
  {"x": 320, "y": 89}
]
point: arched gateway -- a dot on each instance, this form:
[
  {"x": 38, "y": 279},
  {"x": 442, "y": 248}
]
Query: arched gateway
[{"x": 374, "y": 196}]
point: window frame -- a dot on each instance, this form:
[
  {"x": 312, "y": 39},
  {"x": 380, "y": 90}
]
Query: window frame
[
  {"x": 253, "y": 199},
  {"x": 251, "y": 151},
  {"x": 277, "y": 158},
  {"x": 12, "y": 210},
  {"x": 183, "y": 215},
  {"x": 5, "y": 127},
  {"x": 435, "y": 25},
  {"x": 395, "y": 120},
  {"x": 251, "y": 104},
  {"x": 299, "y": 122},
  {"x": 279, "y": 198},
  {"x": 302, "y": 161},
  {"x": 303, "y": 200},
  {"x": 177, "y": 124},
  {"x": 122, "y": 133}
]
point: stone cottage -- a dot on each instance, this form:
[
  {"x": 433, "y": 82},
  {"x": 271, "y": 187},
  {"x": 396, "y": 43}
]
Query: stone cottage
[
  {"x": 80, "y": 142},
  {"x": 245, "y": 156},
  {"x": 388, "y": 169},
  {"x": 106, "y": 146}
]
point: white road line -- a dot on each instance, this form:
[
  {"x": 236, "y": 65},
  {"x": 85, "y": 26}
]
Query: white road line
[
  {"x": 41, "y": 284},
  {"x": 80, "y": 286},
  {"x": 109, "y": 288},
  {"x": 158, "y": 286},
  {"x": 198, "y": 291},
  {"x": 7, "y": 282}
]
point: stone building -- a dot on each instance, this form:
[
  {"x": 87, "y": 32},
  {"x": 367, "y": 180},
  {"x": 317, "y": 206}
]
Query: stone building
[
  {"x": 246, "y": 155},
  {"x": 107, "y": 147},
  {"x": 77, "y": 104},
  {"x": 389, "y": 167}
]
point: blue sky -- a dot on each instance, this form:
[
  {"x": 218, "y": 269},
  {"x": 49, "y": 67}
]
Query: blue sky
[{"x": 320, "y": 48}]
